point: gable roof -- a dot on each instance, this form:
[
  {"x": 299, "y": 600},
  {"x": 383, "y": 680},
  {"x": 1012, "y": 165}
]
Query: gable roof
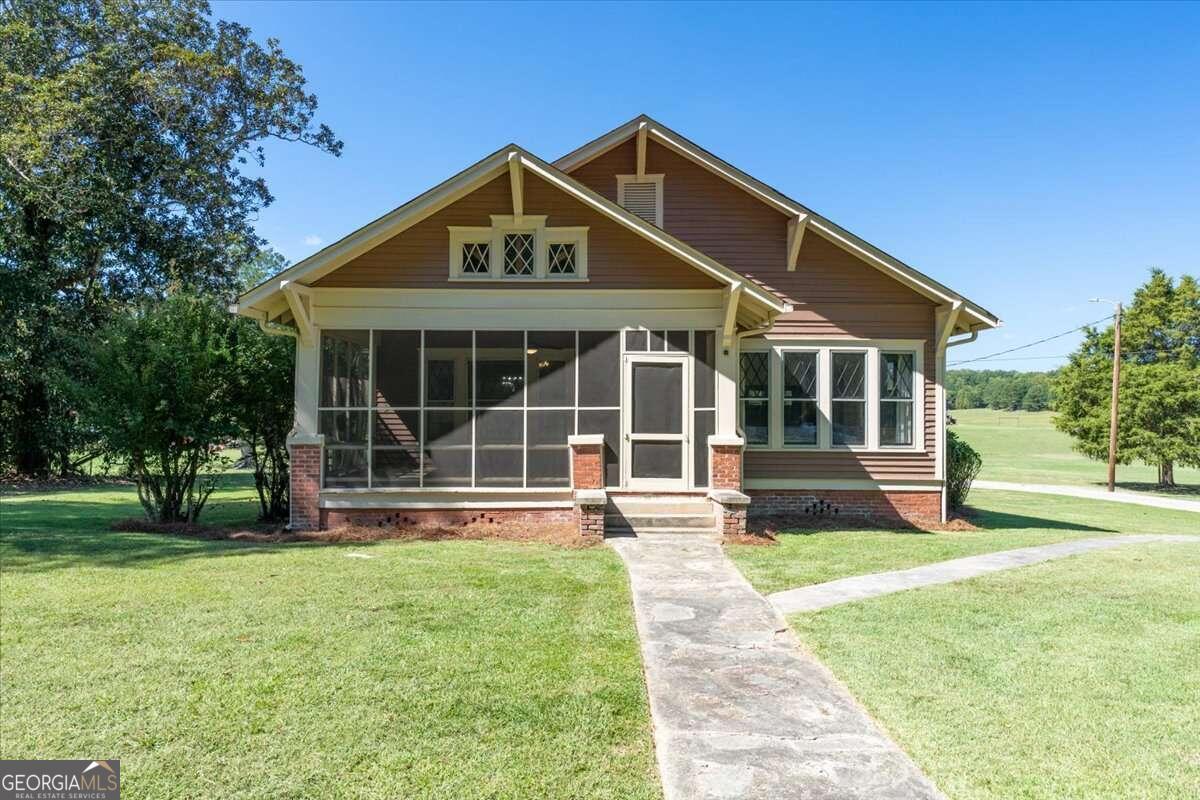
[
  {"x": 886, "y": 263},
  {"x": 261, "y": 301}
]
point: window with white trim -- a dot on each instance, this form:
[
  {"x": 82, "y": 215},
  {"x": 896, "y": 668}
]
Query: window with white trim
[
  {"x": 800, "y": 410},
  {"x": 515, "y": 248},
  {"x": 822, "y": 395},
  {"x": 895, "y": 399},
  {"x": 849, "y": 396},
  {"x": 754, "y": 397},
  {"x": 642, "y": 196}
]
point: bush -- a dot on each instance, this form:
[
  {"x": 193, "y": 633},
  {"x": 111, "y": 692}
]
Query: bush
[
  {"x": 160, "y": 402},
  {"x": 961, "y": 469}
]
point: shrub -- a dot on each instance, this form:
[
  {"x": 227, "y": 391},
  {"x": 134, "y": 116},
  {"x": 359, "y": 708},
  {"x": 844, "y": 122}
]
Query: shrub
[{"x": 962, "y": 468}]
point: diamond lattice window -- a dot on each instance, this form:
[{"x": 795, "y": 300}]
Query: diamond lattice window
[
  {"x": 562, "y": 259},
  {"x": 475, "y": 258},
  {"x": 518, "y": 254}
]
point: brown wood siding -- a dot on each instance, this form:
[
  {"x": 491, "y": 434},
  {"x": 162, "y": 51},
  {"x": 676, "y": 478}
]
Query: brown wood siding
[
  {"x": 831, "y": 465},
  {"x": 419, "y": 257},
  {"x": 835, "y": 294}
]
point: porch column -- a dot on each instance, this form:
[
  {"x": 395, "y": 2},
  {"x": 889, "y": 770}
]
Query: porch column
[
  {"x": 725, "y": 454},
  {"x": 587, "y": 481},
  {"x": 304, "y": 451}
]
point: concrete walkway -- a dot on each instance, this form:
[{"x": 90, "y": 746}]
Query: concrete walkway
[
  {"x": 861, "y": 587},
  {"x": 1119, "y": 496},
  {"x": 739, "y": 709}
]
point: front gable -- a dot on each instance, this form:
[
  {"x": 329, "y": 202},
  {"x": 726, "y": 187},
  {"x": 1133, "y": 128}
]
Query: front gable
[{"x": 420, "y": 258}]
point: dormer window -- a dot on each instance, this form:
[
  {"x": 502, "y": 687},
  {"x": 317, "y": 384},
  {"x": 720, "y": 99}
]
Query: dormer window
[
  {"x": 518, "y": 248},
  {"x": 641, "y": 195}
]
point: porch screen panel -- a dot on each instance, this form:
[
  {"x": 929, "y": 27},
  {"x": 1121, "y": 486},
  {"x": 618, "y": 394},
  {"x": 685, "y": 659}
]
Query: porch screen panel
[
  {"x": 657, "y": 460},
  {"x": 600, "y": 369},
  {"x": 447, "y": 453},
  {"x": 550, "y": 365},
  {"x": 398, "y": 369},
  {"x": 396, "y": 447},
  {"x": 606, "y": 422},
  {"x": 657, "y": 398},
  {"x": 547, "y": 456},
  {"x": 500, "y": 368},
  {"x": 342, "y": 415},
  {"x": 448, "y": 369},
  {"x": 499, "y": 447},
  {"x": 705, "y": 425},
  {"x": 705, "y": 353}
]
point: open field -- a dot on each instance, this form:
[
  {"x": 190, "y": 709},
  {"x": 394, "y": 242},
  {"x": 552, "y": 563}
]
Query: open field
[
  {"x": 1024, "y": 447},
  {"x": 429, "y": 670},
  {"x": 1006, "y": 520},
  {"x": 1073, "y": 679}
]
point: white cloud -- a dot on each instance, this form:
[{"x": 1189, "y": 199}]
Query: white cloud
[{"x": 312, "y": 240}]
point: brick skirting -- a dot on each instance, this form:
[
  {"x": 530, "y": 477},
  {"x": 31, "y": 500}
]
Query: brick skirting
[
  {"x": 915, "y": 508},
  {"x": 441, "y": 517}
]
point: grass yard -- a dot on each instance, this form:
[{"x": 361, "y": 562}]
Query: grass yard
[
  {"x": 1025, "y": 447},
  {"x": 1076, "y": 679},
  {"x": 429, "y": 670},
  {"x": 1006, "y": 520}
]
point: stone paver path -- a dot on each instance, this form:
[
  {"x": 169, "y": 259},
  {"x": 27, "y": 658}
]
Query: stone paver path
[
  {"x": 1134, "y": 498},
  {"x": 740, "y": 710},
  {"x": 861, "y": 587}
]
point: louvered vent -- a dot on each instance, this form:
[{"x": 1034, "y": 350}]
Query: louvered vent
[{"x": 642, "y": 199}]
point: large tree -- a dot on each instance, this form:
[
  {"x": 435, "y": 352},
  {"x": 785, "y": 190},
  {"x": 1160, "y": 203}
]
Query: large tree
[
  {"x": 1159, "y": 402},
  {"x": 129, "y": 134}
]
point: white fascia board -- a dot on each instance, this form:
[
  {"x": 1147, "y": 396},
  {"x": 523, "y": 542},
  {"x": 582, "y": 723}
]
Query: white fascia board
[
  {"x": 877, "y": 258},
  {"x": 381, "y": 229},
  {"x": 647, "y": 231}
]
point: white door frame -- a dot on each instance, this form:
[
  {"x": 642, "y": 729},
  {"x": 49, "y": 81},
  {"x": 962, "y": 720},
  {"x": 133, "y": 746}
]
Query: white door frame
[{"x": 628, "y": 436}]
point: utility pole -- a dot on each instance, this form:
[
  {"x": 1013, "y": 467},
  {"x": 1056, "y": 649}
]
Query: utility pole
[{"x": 1116, "y": 385}]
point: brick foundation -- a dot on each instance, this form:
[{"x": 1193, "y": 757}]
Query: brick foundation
[
  {"x": 913, "y": 508},
  {"x": 587, "y": 480},
  {"x": 442, "y": 517},
  {"x": 733, "y": 520},
  {"x": 305, "y": 465}
]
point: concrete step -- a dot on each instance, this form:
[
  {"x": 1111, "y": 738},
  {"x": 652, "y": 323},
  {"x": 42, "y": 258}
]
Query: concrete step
[
  {"x": 625, "y": 530},
  {"x": 703, "y": 519},
  {"x": 665, "y": 504}
]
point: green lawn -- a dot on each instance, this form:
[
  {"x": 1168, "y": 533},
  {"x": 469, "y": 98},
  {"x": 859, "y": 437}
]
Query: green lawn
[
  {"x": 1025, "y": 447},
  {"x": 1005, "y": 519},
  {"x": 1076, "y": 679},
  {"x": 430, "y": 670}
]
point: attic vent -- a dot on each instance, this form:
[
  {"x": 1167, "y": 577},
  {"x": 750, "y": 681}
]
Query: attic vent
[{"x": 641, "y": 196}]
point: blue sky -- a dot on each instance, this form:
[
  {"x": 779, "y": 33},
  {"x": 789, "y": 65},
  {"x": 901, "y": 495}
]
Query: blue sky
[{"x": 1029, "y": 155}]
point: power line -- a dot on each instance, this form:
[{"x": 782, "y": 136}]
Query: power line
[
  {"x": 1148, "y": 352},
  {"x": 1033, "y": 344}
]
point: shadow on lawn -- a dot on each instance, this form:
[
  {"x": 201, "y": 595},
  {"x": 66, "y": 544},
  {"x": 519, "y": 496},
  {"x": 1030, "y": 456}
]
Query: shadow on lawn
[
  {"x": 45, "y": 531},
  {"x": 986, "y": 519}
]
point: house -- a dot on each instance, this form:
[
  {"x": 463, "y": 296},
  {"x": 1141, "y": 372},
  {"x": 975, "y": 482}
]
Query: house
[{"x": 636, "y": 334}]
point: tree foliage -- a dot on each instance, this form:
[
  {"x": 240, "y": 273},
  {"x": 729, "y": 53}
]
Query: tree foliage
[
  {"x": 176, "y": 381},
  {"x": 1159, "y": 402},
  {"x": 160, "y": 401},
  {"x": 127, "y": 129},
  {"x": 1003, "y": 390}
]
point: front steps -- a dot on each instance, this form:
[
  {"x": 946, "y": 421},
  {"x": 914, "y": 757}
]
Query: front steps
[{"x": 640, "y": 515}]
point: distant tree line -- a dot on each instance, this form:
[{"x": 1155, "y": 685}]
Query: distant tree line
[{"x": 1003, "y": 390}]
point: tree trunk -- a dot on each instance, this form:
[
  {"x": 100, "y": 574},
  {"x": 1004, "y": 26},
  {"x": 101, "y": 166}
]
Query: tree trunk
[{"x": 1166, "y": 475}]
